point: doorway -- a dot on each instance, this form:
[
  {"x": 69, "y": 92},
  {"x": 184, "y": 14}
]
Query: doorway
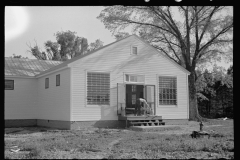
[
  {"x": 127, "y": 95},
  {"x": 133, "y": 92}
]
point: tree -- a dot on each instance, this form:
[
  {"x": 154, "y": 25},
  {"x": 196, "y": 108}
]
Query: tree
[
  {"x": 188, "y": 35},
  {"x": 95, "y": 45},
  {"x": 205, "y": 91},
  {"x": 230, "y": 71},
  {"x": 121, "y": 35},
  {"x": 70, "y": 44},
  {"x": 67, "y": 46},
  {"x": 229, "y": 108},
  {"x": 18, "y": 56},
  {"x": 214, "y": 91}
]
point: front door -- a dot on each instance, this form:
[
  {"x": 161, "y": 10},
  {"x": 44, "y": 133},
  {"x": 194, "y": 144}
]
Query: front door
[{"x": 132, "y": 93}]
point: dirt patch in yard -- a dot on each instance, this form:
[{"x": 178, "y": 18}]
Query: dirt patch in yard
[{"x": 110, "y": 145}]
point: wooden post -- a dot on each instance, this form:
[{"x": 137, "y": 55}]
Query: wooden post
[{"x": 201, "y": 126}]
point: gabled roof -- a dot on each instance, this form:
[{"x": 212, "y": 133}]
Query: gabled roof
[
  {"x": 82, "y": 56},
  {"x": 34, "y": 67},
  {"x": 27, "y": 67},
  {"x": 64, "y": 64}
]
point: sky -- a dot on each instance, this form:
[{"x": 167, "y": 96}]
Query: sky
[{"x": 27, "y": 24}]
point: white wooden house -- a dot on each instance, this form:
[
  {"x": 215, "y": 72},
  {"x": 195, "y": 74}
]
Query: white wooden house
[{"x": 93, "y": 89}]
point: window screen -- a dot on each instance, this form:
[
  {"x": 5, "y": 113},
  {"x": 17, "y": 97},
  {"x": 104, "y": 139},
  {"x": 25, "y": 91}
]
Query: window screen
[
  {"x": 9, "y": 84},
  {"x": 167, "y": 90},
  {"x": 98, "y": 88},
  {"x": 58, "y": 80},
  {"x": 46, "y": 83}
]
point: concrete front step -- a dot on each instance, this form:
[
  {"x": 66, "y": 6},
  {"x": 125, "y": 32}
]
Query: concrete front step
[
  {"x": 156, "y": 120},
  {"x": 145, "y": 120},
  {"x": 147, "y": 123},
  {"x": 154, "y": 128},
  {"x": 134, "y": 118}
]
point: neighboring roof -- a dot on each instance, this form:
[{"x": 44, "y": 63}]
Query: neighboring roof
[{"x": 27, "y": 67}]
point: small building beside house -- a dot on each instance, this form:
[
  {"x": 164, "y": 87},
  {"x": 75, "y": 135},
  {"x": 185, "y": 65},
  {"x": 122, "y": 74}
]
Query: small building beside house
[{"x": 93, "y": 89}]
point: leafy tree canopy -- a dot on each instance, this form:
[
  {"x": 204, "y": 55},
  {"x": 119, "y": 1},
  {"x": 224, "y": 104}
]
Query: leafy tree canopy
[
  {"x": 95, "y": 45},
  {"x": 121, "y": 35},
  {"x": 67, "y": 46},
  {"x": 18, "y": 56},
  {"x": 209, "y": 82}
]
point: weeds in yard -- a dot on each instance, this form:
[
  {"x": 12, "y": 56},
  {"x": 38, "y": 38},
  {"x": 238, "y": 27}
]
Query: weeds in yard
[
  {"x": 128, "y": 145},
  {"x": 152, "y": 145},
  {"x": 35, "y": 152}
]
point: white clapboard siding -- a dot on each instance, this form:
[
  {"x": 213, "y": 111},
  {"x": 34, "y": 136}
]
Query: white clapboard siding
[
  {"x": 117, "y": 60},
  {"x": 54, "y": 102},
  {"x": 21, "y": 103}
]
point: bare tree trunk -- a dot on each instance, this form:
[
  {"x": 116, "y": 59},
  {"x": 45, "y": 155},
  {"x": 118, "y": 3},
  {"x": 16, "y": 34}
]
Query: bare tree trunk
[
  {"x": 223, "y": 104},
  {"x": 193, "y": 109},
  {"x": 209, "y": 107}
]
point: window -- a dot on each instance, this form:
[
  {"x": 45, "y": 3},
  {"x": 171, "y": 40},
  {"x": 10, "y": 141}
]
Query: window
[
  {"x": 9, "y": 84},
  {"x": 46, "y": 83},
  {"x": 134, "y": 50},
  {"x": 167, "y": 90},
  {"x": 98, "y": 88},
  {"x": 134, "y": 78},
  {"x": 134, "y": 88},
  {"x": 58, "y": 80}
]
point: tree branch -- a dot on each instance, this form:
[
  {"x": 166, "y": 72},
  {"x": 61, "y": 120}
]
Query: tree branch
[
  {"x": 149, "y": 24},
  {"x": 207, "y": 23},
  {"x": 194, "y": 16},
  {"x": 166, "y": 53},
  {"x": 172, "y": 49},
  {"x": 196, "y": 37},
  {"x": 224, "y": 30},
  {"x": 164, "y": 20},
  {"x": 161, "y": 40},
  {"x": 170, "y": 23},
  {"x": 176, "y": 28},
  {"x": 212, "y": 50}
]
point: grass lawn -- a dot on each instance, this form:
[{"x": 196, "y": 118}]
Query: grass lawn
[{"x": 95, "y": 143}]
